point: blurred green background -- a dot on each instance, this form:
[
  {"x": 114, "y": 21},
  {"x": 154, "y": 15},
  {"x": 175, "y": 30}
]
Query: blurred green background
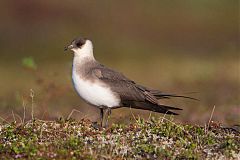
[{"x": 175, "y": 46}]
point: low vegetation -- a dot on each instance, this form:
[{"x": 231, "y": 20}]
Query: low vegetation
[{"x": 141, "y": 139}]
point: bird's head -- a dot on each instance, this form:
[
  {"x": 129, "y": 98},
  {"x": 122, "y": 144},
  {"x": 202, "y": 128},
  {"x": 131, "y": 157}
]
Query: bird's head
[{"x": 80, "y": 46}]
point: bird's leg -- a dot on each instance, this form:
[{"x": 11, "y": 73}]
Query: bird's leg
[
  {"x": 107, "y": 116},
  {"x": 101, "y": 116}
]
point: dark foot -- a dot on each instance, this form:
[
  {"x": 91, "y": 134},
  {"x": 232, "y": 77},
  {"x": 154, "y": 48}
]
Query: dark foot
[{"x": 95, "y": 125}]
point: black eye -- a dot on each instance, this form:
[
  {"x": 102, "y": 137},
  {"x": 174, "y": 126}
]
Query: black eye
[{"x": 79, "y": 44}]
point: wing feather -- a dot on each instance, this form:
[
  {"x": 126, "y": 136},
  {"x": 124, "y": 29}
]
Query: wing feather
[{"x": 124, "y": 87}]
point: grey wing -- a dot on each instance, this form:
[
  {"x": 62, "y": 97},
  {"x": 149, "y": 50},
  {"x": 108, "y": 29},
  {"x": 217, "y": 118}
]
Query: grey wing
[
  {"x": 127, "y": 89},
  {"x": 131, "y": 94}
]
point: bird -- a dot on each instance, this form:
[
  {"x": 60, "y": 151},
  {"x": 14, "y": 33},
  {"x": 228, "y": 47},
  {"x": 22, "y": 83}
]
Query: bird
[{"x": 108, "y": 89}]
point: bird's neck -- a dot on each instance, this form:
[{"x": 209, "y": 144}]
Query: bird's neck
[
  {"x": 80, "y": 60},
  {"x": 84, "y": 54},
  {"x": 83, "y": 57}
]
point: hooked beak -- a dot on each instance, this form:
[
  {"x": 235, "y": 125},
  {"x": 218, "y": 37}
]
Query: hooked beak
[{"x": 68, "y": 47}]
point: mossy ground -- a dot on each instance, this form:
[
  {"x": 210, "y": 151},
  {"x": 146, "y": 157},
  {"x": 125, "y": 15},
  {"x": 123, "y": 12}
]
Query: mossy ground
[{"x": 141, "y": 139}]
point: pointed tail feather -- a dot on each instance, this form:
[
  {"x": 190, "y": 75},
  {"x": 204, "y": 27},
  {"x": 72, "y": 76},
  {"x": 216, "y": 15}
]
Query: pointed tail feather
[{"x": 160, "y": 95}]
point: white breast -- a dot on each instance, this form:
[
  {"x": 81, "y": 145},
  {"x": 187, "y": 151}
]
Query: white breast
[{"x": 95, "y": 93}]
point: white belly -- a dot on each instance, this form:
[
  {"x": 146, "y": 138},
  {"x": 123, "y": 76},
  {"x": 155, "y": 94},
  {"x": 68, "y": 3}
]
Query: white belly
[{"x": 95, "y": 93}]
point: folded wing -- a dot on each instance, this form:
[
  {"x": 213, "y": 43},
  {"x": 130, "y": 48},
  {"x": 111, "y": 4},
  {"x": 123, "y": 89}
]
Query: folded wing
[{"x": 131, "y": 94}]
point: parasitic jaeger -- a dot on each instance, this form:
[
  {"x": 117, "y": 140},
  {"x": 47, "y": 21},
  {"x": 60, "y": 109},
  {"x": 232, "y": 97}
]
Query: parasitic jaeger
[{"x": 108, "y": 89}]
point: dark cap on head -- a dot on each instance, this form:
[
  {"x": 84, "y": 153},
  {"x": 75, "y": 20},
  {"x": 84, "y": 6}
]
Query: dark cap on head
[
  {"x": 76, "y": 43},
  {"x": 79, "y": 42}
]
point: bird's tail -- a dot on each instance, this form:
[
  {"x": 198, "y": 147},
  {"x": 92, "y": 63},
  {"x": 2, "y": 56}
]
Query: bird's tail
[
  {"x": 160, "y": 95},
  {"x": 155, "y": 107}
]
